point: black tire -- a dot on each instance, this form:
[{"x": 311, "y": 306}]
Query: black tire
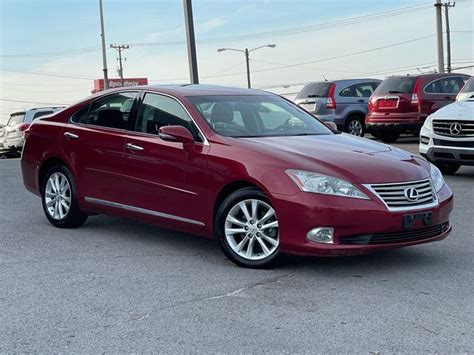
[
  {"x": 74, "y": 216},
  {"x": 219, "y": 229},
  {"x": 388, "y": 137},
  {"x": 354, "y": 119},
  {"x": 447, "y": 169}
]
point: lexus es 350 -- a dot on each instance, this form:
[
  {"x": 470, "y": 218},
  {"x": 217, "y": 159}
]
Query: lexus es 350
[{"x": 247, "y": 167}]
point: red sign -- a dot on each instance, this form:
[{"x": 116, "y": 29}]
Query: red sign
[{"x": 116, "y": 83}]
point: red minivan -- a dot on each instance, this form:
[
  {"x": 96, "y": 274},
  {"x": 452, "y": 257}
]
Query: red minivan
[{"x": 400, "y": 104}]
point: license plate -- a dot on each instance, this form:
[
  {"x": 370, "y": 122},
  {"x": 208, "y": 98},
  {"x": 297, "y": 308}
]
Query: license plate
[
  {"x": 411, "y": 220},
  {"x": 309, "y": 107},
  {"x": 388, "y": 103}
]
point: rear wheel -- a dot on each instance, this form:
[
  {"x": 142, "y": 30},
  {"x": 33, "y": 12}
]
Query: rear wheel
[
  {"x": 355, "y": 126},
  {"x": 388, "y": 137},
  {"x": 59, "y": 199},
  {"x": 447, "y": 169},
  {"x": 247, "y": 229}
]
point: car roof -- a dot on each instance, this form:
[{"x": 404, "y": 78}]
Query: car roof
[
  {"x": 434, "y": 75},
  {"x": 198, "y": 89}
]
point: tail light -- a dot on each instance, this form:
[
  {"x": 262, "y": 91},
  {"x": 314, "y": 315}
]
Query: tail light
[
  {"x": 331, "y": 101},
  {"x": 415, "y": 97},
  {"x": 23, "y": 127},
  {"x": 371, "y": 106}
]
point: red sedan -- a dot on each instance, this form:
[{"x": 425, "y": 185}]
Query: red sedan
[{"x": 247, "y": 167}]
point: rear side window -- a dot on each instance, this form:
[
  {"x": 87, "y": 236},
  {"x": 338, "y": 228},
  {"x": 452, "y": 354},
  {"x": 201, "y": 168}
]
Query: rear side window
[
  {"x": 314, "y": 90},
  {"x": 396, "y": 85},
  {"x": 112, "y": 111},
  {"x": 358, "y": 90},
  {"x": 450, "y": 85}
]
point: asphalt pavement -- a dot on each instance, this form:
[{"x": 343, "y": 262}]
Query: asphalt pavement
[{"x": 117, "y": 285}]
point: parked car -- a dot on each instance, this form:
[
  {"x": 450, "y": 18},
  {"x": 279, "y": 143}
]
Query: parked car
[
  {"x": 447, "y": 137},
  {"x": 250, "y": 168},
  {"x": 343, "y": 102},
  {"x": 12, "y": 135},
  {"x": 400, "y": 104},
  {"x": 467, "y": 91}
]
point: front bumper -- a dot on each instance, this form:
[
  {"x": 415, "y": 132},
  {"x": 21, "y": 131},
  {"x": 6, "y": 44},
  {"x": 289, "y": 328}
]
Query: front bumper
[
  {"x": 350, "y": 218},
  {"x": 446, "y": 149}
]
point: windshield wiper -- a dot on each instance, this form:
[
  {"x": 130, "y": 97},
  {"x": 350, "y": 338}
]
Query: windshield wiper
[
  {"x": 314, "y": 96},
  {"x": 395, "y": 92}
]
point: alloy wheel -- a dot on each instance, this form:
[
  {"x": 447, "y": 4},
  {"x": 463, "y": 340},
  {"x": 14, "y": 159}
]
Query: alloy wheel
[
  {"x": 57, "y": 196},
  {"x": 251, "y": 229},
  {"x": 355, "y": 128}
]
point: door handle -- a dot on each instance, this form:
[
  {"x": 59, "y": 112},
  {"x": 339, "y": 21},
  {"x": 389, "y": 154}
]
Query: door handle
[
  {"x": 70, "y": 135},
  {"x": 361, "y": 100},
  {"x": 133, "y": 147}
]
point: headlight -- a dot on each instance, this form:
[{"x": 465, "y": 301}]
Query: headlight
[
  {"x": 322, "y": 184},
  {"x": 436, "y": 178},
  {"x": 428, "y": 123}
]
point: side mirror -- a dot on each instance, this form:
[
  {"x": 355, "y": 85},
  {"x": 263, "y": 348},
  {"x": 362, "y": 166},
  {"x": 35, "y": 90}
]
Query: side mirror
[
  {"x": 176, "y": 134},
  {"x": 331, "y": 125}
]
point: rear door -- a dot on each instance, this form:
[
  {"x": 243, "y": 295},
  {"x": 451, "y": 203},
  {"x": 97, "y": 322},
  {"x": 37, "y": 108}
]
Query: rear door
[
  {"x": 94, "y": 141},
  {"x": 393, "y": 95},
  {"x": 440, "y": 92},
  {"x": 313, "y": 97},
  {"x": 164, "y": 180}
]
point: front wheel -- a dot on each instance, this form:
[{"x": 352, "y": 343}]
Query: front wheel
[
  {"x": 58, "y": 195},
  {"x": 355, "y": 126},
  {"x": 247, "y": 229}
]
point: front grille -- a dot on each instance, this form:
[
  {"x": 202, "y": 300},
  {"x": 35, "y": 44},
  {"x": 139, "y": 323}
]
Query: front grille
[
  {"x": 461, "y": 144},
  {"x": 395, "y": 237},
  {"x": 446, "y": 128},
  {"x": 397, "y": 196}
]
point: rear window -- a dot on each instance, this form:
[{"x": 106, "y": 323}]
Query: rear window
[
  {"x": 396, "y": 85},
  {"x": 314, "y": 90},
  {"x": 469, "y": 86},
  {"x": 16, "y": 119}
]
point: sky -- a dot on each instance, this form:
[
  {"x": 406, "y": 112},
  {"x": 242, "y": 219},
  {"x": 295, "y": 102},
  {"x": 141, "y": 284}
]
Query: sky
[{"x": 50, "y": 49}]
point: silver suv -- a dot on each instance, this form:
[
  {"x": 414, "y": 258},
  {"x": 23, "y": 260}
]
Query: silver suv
[
  {"x": 12, "y": 135},
  {"x": 343, "y": 102}
]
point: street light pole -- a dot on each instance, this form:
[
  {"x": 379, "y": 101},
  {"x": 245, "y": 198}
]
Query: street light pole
[
  {"x": 104, "y": 55},
  {"x": 246, "y": 52}
]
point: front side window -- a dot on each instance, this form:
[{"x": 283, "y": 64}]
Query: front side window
[
  {"x": 112, "y": 111},
  {"x": 157, "y": 111},
  {"x": 256, "y": 116}
]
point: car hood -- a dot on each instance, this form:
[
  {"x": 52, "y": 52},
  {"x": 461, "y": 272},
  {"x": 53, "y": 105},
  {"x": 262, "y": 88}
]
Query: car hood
[
  {"x": 344, "y": 156},
  {"x": 462, "y": 110}
]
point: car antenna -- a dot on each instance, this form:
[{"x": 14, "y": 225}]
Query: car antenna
[{"x": 324, "y": 77}]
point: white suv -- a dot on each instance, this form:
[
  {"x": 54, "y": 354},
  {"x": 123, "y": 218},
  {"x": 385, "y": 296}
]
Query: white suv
[
  {"x": 12, "y": 135},
  {"x": 447, "y": 136}
]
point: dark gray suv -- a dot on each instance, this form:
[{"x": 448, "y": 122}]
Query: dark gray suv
[{"x": 343, "y": 102}]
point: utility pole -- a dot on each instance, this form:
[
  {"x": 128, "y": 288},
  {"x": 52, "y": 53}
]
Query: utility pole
[
  {"x": 447, "y": 5},
  {"x": 104, "y": 55},
  {"x": 191, "y": 42},
  {"x": 247, "y": 60},
  {"x": 120, "y": 48},
  {"x": 439, "y": 36}
]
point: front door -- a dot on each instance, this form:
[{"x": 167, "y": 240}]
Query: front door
[{"x": 165, "y": 180}]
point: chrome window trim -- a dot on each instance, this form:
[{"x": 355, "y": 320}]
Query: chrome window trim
[
  {"x": 405, "y": 208},
  {"x": 206, "y": 142},
  {"x": 142, "y": 210}
]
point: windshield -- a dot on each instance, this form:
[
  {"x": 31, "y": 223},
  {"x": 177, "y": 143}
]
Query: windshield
[
  {"x": 469, "y": 86},
  {"x": 256, "y": 116},
  {"x": 314, "y": 90},
  {"x": 396, "y": 85},
  {"x": 16, "y": 119}
]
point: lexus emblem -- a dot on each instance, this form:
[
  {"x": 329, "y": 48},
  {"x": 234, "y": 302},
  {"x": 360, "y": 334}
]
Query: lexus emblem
[
  {"x": 411, "y": 194},
  {"x": 455, "y": 128}
]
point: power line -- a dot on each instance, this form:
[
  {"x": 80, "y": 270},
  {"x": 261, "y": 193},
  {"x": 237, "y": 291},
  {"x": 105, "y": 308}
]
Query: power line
[
  {"x": 301, "y": 29},
  {"x": 45, "y": 73},
  {"x": 61, "y": 53}
]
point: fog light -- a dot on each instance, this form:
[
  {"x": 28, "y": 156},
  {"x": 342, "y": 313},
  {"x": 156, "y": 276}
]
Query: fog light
[
  {"x": 424, "y": 139},
  {"x": 321, "y": 235}
]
